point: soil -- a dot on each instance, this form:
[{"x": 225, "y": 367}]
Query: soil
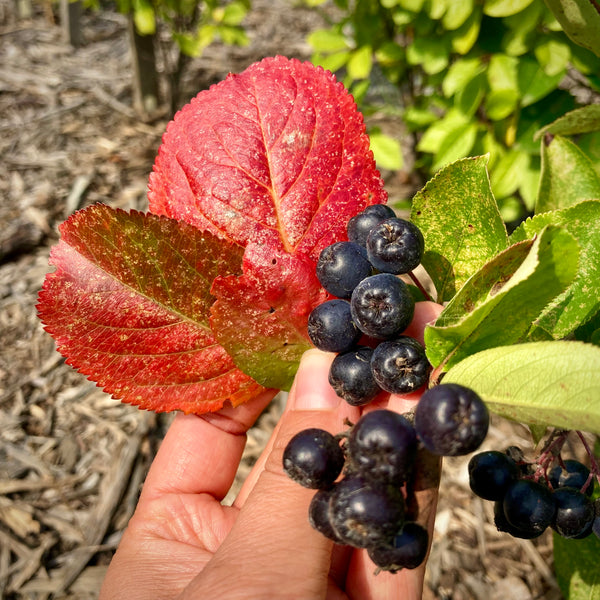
[{"x": 72, "y": 460}]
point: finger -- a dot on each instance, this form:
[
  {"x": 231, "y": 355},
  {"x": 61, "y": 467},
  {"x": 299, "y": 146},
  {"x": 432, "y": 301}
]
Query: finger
[
  {"x": 272, "y": 536},
  {"x": 201, "y": 454}
]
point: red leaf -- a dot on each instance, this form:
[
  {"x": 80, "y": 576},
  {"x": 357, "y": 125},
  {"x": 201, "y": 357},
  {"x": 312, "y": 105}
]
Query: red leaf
[
  {"x": 277, "y": 154},
  {"x": 128, "y": 305},
  {"x": 276, "y": 159},
  {"x": 261, "y": 317}
]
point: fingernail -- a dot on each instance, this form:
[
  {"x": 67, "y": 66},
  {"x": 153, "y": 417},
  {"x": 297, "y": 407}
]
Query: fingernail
[{"x": 312, "y": 388}]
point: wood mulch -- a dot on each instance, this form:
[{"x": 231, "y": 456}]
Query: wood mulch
[{"x": 72, "y": 460}]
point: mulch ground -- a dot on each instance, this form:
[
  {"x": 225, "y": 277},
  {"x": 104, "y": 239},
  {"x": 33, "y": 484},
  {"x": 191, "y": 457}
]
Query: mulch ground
[{"x": 72, "y": 460}]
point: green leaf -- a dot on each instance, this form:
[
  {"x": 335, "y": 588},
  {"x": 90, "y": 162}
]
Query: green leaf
[
  {"x": 499, "y": 303},
  {"x": 568, "y": 176},
  {"x": 144, "y": 17},
  {"x": 457, "y": 144},
  {"x": 464, "y": 38},
  {"x": 580, "y": 20},
  {"x": 553, "y": 57},
  {"x": 459, "y": 218},
  {"x": 360, "y": 63},
  {"x": 432, "y": 53},
  {"x": 504, "y": 8},
  {"x": 326, "y": 40},
  {"x": 435, "y": 135},
  {"x": 543, "y": 383},
  {"x": 507, "y": 174},
  {"x": 580, "y": 302},
  {"x": 534, "y": 82},
  {"x": 576, "y": 567},
  {"x": 386, "y": 150},
  {"x": 460, "y": 74},
  {"x": 457, "y": 13},
  {"x": 580, "y": 120}
]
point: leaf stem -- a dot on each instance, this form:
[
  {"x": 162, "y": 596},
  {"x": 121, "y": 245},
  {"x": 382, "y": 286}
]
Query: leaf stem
[
  {"x": 416, "y": 281},
  {"x": 595, "y": 467}
]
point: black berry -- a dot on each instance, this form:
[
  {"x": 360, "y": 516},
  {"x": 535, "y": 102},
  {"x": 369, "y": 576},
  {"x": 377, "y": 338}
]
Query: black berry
[
  {"x": 360, "y": 226},
  {"x": 363, "y": 513},
  {"x": 313, "y": 458},
  {"x": 395, "y": 246},
  {"x": 451, "y": 420},
  {"x": 331, "y": 328},
  {"x": 318, "y": 515},
  {"x": 400, "y": 366},
  {"x": 351, "y": 377},
  {"x": 342, "y": 266},
  {"x": 529, "y": 507},
  {"x": 490, "y": 474},
  {"x": 382, "y": 306},
  {"x": 382, "y": 446},
  {"x": 575, "y": 474},
  {"x": 574, "y": 513},
  {"x": 406, "y": 551}
]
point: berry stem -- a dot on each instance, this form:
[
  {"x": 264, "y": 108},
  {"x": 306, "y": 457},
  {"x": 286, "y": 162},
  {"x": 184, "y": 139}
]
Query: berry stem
[
  {"x": 416, "y": 281},
  {"x": 595, "y": 467}
]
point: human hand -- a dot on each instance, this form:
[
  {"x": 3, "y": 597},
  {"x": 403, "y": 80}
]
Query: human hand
[{"x": 183, "y": 543}]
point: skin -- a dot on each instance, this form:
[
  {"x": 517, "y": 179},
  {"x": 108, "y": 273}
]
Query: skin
[{"x": 182, "y": 543}]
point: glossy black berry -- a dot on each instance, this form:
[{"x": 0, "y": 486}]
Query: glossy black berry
[
  {"x": 331, "y": 328},
  {"x": 360, "y": 226},
  {"x": 407, "y": 550},
  {"x": 395, "y": 246},
  {"x": 575, "y": 515},
  {"x": 529, "y": 507},
  {"x": 490, "y": 474},
  {"x": 382, "y": 306},
  {"x": 575, "y": 474},
  {"x": 364, "y": 513},
  {"x": 318, "y": 515},
  {"x": 313, "y": 458},
  {"x": 341, "y": 267},
  {"x": 351, "y": 377},
  {"x": 502, "y": 524},
  {"x": 382, "y": 446},
  {"x": 451, "y": 420},
  {"x": 400, "y": 366}
]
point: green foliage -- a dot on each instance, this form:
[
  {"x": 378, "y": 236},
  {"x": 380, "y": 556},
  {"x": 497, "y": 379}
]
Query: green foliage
[
  {"x": 474, "y": 78},
  {"x": 194, "y": 24}
]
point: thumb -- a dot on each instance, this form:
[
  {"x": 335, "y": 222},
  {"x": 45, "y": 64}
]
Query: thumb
[{"x": 272, "y": 549}]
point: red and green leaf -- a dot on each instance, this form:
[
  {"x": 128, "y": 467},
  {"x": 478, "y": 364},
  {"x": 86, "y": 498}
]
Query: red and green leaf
[
  {"x": 273, "y": 162},
  {"x": 129, "y": 304}
]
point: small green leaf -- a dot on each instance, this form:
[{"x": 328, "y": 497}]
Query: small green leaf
[
  {"x": 576, "y": 567},
  {"x": 459, "y": 218},
  {"x": 431, "y": 53},
  {"x": 457, "y": 13},
  {"x": 568, "y": 176},
  {"x": 464, "y": 38},
  {"x": 386, "y": 150},
  {"x": 504, "y": 8},
  {"x": 506, "y": 175},
  {"x": 498, "y": 304},
  {"x": 534, "y": 82},
  {"x": 580, "y": 302},
  {"x": 459, "y": 74},
  {"x": 326, "y": 40},
  {"x": 580, "y": 120},
  {"x": 553, "y": 57},
  {"x": 457, "y": 144},
  {"x": 144, "y": 18},
  {"x": 360, "y": 63},
  {"x": 543, "y": 383},
  {"x": 434, "y": 136}
]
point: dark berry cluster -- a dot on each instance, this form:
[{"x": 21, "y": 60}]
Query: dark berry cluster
[
  {"x": 361, "y": 474},
  {"x": 528, "y": 500},
  {"x": 364, "y": 324}
]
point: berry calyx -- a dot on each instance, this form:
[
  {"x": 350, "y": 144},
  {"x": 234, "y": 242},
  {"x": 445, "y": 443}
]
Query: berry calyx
[
  {"x": 382, "y": 306},
  {"x": 395, "y": 246}
]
